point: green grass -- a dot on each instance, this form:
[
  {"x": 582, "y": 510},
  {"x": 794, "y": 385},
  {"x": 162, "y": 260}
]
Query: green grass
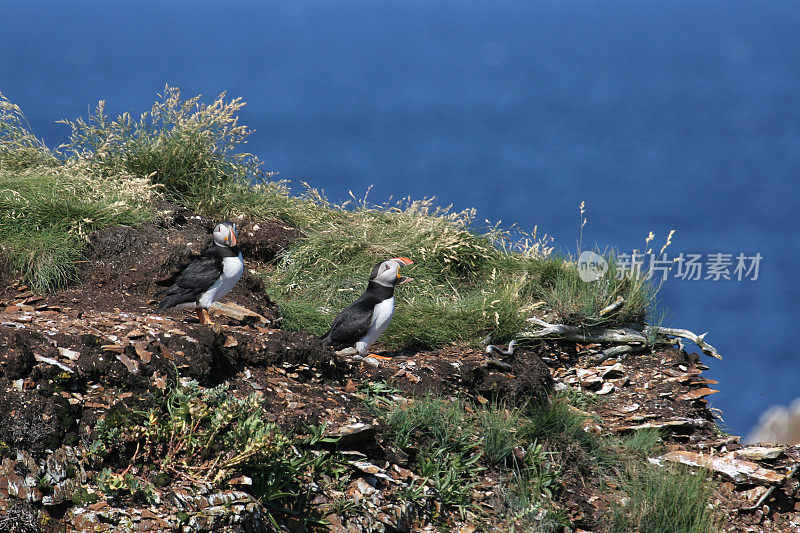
[
  {"x": 643, "y": 442},
  {"x": 524, "y": 497},
  {"x": 562, "y": 428},
  {"x": 47, "y": 212},
  {"x": 498, "y": 431},
  {"x": 472, "y": 280},
  {"x": 454, "y": 443},
  {"x": 665, "y": 499},
  {"x": 442, "y": 423}
]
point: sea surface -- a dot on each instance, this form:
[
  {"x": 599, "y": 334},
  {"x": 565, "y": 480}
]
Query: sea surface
[{"x": 663, "y": 115}]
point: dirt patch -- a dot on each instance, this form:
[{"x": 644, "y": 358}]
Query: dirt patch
[
  {"x": 34, "y": 423},
  {"x": 263, "y": 240},
  {"x": 522, "y": 378},
  {"x": 16, "y": 355}
]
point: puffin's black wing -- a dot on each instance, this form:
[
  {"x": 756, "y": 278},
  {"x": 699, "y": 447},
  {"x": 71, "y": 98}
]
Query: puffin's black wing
[
  {"x": 351, "y": 324},
  {"x": 192, "y": 281}
]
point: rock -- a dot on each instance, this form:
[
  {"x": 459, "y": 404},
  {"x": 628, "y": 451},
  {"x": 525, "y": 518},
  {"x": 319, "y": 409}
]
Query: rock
[
  {"x": 697, "y": 394},
  {"x": 589, "y": 380},
  {"x": 759, "y": 453},
  {"x": 239, "y": 313},
  {"x": 130, "y": 364},
  {"x": 612, "y": 372},
  {"x": 353, "y": 433},
  {"x": 607, "y": 388},
  {"x": 740, "y": 471},
  {"x": 72, "y": 355},
  {"x": 367, "y": 468},
  {"x": 629, "y": 408},
  {"x": 754, "y": 494}
]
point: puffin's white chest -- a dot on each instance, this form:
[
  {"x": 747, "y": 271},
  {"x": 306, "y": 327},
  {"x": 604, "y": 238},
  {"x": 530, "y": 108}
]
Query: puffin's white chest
[
  {"x": 381, "y": 316},
  {"x": 232, "y": 270}
]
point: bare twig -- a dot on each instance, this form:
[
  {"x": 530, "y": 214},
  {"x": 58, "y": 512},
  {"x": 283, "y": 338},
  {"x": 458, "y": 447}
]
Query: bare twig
[
  {"x": 620, "y": 336},
  {"x": 688, "y": 335}
]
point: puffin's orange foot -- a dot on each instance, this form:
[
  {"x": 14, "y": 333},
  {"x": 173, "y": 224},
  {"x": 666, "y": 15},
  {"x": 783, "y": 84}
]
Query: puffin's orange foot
[
  {"x": 376, "y": 356},
  {"x": 202, "y": 314}
]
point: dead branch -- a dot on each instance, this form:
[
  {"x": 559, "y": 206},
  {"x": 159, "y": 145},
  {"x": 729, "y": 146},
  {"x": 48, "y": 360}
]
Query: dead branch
[
  {"x": 577, "y": 334},
  {"x": 688, "y": 335},
  {"x": 637, "y": 338}
]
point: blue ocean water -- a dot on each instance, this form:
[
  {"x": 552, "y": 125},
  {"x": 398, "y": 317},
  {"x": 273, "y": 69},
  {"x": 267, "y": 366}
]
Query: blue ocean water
[{"x": 663, "y": 115}]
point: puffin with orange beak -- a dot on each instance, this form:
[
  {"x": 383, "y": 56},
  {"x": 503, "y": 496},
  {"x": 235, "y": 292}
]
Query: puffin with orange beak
[
  {"x": 207, "y": 277},
  {"x": 363, "y": 321}
]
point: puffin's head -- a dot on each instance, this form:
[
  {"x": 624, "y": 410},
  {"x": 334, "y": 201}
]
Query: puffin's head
[
  {"x": 387, "y": 272},
  {"x": 225, "y": 234}
]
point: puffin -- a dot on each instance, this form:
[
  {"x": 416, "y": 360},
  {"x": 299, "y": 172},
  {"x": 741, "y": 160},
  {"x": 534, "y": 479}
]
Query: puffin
[
  {"x": 207, "y": 277},
  {"x": 362, "y": 322}
]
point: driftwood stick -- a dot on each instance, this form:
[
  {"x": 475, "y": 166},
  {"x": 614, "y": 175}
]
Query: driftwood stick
[
  {"x": 614, "y": 351},
  {"x": 613, "y": 307},
  {"x": 576, "y": 334},
  {"x": 688, "y": 335},
  {"x": 624, "y": 335}
]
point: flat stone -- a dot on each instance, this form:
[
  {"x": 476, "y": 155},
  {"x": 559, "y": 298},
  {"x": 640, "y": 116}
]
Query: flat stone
[
  {"x": 589, "y": 380},
  {"x": 353, "y": 433},
  {"x": 696, "y": 394},
  {"x": 367, "y": 468},
  {"x": 72, "y": 355},
  {"x": 754, "y": 494},
  {"x": 613, "y": 371},
  {"x": 759, "y": 453},
  {"x": 740, "y": 471},
  {"x": 237, "y": 312},
  {"x": 607, "y": 388},
  {"x": 130, "y": 364}
]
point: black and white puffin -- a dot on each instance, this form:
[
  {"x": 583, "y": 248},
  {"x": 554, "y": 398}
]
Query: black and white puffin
[
  {"x": 363, "y": 321},
  {"x": 207, "y": 277}
]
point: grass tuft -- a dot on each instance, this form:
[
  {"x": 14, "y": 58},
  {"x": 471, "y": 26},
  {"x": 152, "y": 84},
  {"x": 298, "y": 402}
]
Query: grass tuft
[
  {"x": 665, "y": 499},
  {"x": 46, "y": 214},
  {"x": 643, "y": 442}
]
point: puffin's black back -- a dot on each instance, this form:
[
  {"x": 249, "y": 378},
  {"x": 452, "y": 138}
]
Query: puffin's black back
[
  {"x": 193, "y": 279},
  {"x": 353, "y": 322}
]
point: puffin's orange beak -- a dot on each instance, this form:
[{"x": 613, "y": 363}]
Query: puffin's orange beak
[
  {"x": 232, "y": 238},
  {"x": 403, "y": 261}
]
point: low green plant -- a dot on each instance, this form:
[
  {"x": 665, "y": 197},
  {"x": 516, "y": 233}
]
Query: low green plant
[
  {"x": 451, "y": 474},
  {"x": 82, "y": 497},
  {"x": 532, "y": 483},
  {"x": 345, "y": 507},
  {"x": 209, "y": 434},
  {"x": 377, "y": 394},
  {"x": 579, "y": 399},
  {"x": 665, "y": 499},
  {"x": 643, "y": 442},
  {"x": 442, "y": 423},
  {"x": 557, "y": 424},
  {"x": 498, "y": 432},
  {"x": 114, "y": 485}
]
